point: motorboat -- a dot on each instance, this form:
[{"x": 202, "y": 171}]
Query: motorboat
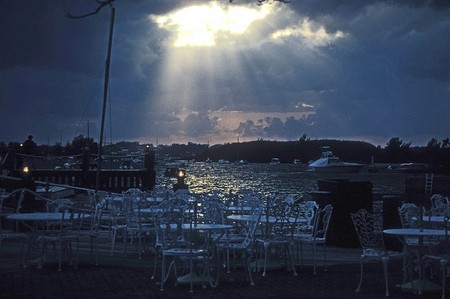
[
  {"x": 274, "y": 161},
  {"x": 411, "y": 168},
  {"x": 328, "y": 162}
]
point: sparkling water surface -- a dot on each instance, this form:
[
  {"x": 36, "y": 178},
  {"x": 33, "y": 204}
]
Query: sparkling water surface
[{"x": 266, "y": 179}]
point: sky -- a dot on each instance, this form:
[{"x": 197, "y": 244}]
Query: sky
[{"x": 215, "y": 72}]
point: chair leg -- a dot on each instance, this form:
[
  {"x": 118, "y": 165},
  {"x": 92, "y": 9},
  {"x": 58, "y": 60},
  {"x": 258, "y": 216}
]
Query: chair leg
[
  {"x": 358, "y": 289},
  {"x": 266, "y": 257},
  {"x": 113, "y": 241},
  {"x": 60, "y": 245},
  {"x": 228, "y": 260},
  {"x": 444, "y": 264},
  {"x": 288, "y": 247},
  {"x": 314, "y": 258},
  {"x": 156, "y": 263},
  {"x": 385, "y": 268},
  {"x": 163, "y": 272},
  {"x": 249, "y": 270},
  {"x": 191, "y": 290}
]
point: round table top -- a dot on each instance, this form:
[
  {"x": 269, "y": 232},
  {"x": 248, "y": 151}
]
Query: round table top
[
  {"x": 207, "y": 226},
  {"x": 42, "y": 216},
  {"x": 415, "y": 232},
  {"x": 238, "y": 208},
  {"x": 433, "y": 218},
  {"x": 270, "y": 219}
]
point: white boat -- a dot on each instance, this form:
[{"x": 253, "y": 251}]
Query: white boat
[
  {"x": 328, "y": 162},
  {"x": 275, "y": 161}
]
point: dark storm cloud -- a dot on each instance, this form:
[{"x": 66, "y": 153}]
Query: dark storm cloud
[{"x": 387, "y": 75}]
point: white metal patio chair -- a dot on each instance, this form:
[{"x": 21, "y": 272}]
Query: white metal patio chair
[
  {"x": 245, "y": 246},
  {"x": 370, "y": 236},
  {"x": 318, "y": 235},
  {"x": 176, "y": 245},
  {"x": 138, "y": 228},
  {"x": 11, "y": 233},
  {"x": 442, "y": 256},
  {"x": 61, "y": 233},
  {"x": 93, "y": 229},
  {"x": 278, "y": 233},
  {"x": 165, "y": 212}
]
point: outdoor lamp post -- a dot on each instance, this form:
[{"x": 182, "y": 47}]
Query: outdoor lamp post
[{"x": 181, "y": 174}]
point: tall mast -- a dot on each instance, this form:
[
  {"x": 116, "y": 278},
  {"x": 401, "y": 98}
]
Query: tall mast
[
  {"x": 102, "y": 4},
  {"x": 105, "y": 97}
]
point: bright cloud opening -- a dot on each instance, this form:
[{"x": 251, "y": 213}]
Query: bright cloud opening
[
  {"x": 202, "y": 25},
  {"x": 309, "y": 32}
]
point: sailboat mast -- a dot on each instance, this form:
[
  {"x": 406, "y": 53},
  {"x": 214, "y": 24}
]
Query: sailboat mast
[{"x": 105, "y": 96}]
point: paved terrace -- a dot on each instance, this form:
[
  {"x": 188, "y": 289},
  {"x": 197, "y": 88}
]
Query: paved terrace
[{"x": 128, "y": 277}]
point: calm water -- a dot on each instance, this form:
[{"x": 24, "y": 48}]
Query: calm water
[{"x": 266, "y": 178}]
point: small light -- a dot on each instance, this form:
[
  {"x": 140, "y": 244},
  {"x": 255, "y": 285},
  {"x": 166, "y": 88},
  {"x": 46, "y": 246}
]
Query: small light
[
  {"x": 26, "y": 169},
  {"x": 181, "y": 173}
]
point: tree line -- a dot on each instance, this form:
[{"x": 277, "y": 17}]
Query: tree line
[{"x": 435, "y": 153}]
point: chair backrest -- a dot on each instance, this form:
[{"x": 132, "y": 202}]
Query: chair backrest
[
  {"x": 59, "y": 205},
  {"x": 161, "y": 192},
  {"x": 251, "y": 201},
  {"x": 407, "y": 213},
  {"x": 307, "y": 210},
  {"x": 132, "y": 191},
  {"x": 369, "y": 233},
  {"x": 3, "y": 197},
  {"x": 213, "y": 211},
  {"x": 133, "y": 201},
  {"x": 281, "y": 210},
  {"x": 169, "y": 226},
  {"x": 322, "y": 222},
  {"x": 71, "y": 220},
  {"x": 251, "y": 228},
  {"x": 439, "y": 205},
  {"x": 28, "y": 200},
  {"x": 96, "y": 215}
]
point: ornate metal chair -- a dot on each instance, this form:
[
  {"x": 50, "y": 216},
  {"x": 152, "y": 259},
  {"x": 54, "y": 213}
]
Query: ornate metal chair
[
  {"x": 278, "y": 232},
  {"x": 318, "y": 235},
  {"x": 176, "y": 245},
  {"x": 11, "y": 234},
  {"x": 94, "y": 229},
  {"x": 244, "y": 246},
  {"x": 439, "y": 205},
  {"x": 370, "y": 236},
  {"x": 442, "y": 257},
  {"x": 61, "y": 233}
]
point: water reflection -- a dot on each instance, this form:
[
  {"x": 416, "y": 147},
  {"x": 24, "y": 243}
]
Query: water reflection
[{"x": 266, "y": 179}]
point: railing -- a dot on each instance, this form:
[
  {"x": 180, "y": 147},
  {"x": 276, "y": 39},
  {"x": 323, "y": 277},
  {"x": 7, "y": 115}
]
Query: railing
[
  {"x": 112, "y": 180},
  {"x": 116, "y": 180}
]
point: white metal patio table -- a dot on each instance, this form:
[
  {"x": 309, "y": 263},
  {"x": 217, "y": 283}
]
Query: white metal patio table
[{"x": 419, "y": 285}]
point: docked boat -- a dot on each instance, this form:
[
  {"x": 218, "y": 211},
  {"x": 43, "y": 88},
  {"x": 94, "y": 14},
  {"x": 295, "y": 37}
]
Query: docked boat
[
  {"x": 274, "y": 161},
  {"x": 328, "y": 162},
  {"x": 411, "y": 168}
]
